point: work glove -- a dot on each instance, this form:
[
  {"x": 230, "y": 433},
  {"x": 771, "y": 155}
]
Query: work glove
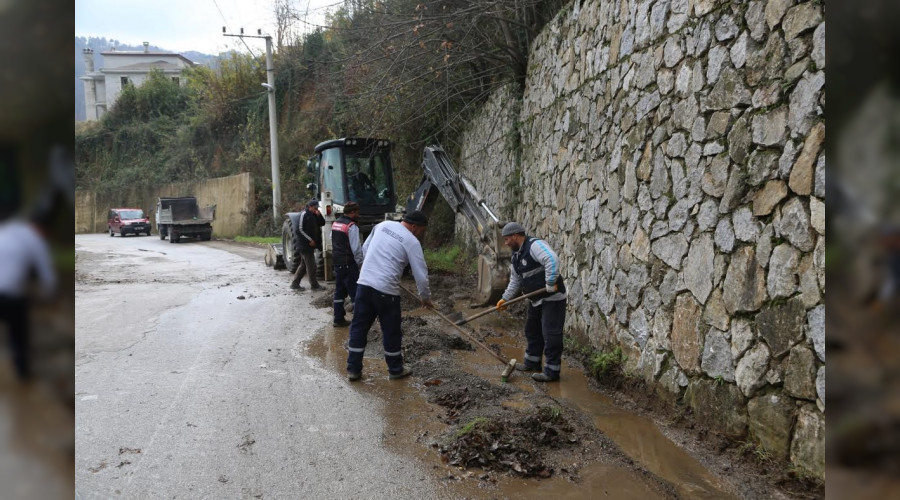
[
  {"x": 501, "y": 305},
  {"x": 428, "y": 303},
  {"x": 551, "y": 288}
]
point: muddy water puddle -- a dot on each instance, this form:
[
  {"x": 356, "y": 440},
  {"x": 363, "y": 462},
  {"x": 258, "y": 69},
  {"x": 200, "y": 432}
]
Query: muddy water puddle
[
  {"x": 416, "y": 425},
  {"x": 637, "y": 436}
]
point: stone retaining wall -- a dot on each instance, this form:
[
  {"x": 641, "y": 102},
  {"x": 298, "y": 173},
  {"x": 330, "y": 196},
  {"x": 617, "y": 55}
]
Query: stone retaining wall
[{"x": 671, "y": 151}]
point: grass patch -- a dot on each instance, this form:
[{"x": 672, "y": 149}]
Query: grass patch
[
  {"x": 605, "y": 364},
  {"x": 449, "y": 259},
  {"x": 264, "y": 240},
  {"x": 471, "y": 426}
]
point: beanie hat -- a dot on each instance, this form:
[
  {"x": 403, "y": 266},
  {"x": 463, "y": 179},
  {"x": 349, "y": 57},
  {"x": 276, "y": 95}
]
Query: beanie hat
[
  {"x": 313, "y": 203},
  {"x": 416, "y": 217},
  {"x": 512, "y": 228}
]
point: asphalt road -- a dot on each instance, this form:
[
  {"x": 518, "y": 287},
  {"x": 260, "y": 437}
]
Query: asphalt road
[{"x": 184, "y": 389}]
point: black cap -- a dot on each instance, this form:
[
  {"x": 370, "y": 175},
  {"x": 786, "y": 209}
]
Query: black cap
[
  {"x": 416, "y": 217},
  {"x": 313, "y": 203}
]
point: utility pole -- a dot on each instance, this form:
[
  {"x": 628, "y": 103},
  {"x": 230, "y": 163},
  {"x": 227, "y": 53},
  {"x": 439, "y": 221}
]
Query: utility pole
[{"x": 273, "y": 121}]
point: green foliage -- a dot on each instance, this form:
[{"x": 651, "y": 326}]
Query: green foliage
[
  {"x": 450, "y": 259},
  {"x": 605, "y": 363},
  {"x": 403, "y": 70},
  {"x": 261, "y": 240},
  {"x": 473, "y": 425},
  {"x": 550, "y": 413}
]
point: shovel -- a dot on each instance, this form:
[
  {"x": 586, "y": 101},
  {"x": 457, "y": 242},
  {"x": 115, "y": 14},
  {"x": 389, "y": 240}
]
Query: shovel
[
  {"x": 462, "y": 321},
  {"x": 510, "y": 364}
]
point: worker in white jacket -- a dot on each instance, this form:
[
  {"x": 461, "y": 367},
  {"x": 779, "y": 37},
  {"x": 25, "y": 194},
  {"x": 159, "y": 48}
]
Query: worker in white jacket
[{"x": 388, "y": 250}]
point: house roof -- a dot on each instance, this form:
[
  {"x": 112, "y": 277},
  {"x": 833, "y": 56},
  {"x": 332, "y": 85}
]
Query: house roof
[
  {"x": 108, "y": 53},
  {"x": 143, "y": 67}
]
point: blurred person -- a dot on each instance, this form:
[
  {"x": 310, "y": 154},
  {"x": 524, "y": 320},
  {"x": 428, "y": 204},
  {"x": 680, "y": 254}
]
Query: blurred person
[
  {"x": 890, "y": 244},
  {"x": 22, "y": 250}
]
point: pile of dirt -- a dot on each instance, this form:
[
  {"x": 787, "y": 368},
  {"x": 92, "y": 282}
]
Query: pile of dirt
[{"x": 421, "y": 338}]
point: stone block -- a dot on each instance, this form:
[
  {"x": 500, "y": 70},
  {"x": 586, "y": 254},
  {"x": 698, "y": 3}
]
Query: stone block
[
  {"x": 714, "y": 313},
  {"x": 801, "y": 180},
  {"x": 800, "y": 373},
  {"x": 745, "y": 282},
  {"x": 816, "y": 330},
  {"x": 794, "y": 225},
  {"x": 768, "y": 128},
  {"x": 808, "y": 443},
  {"x": 715, "y": 178},
  {"x": 804, "y": 100},
  {"x": 698, "y": 267},
  {"x": 781, "y": 325},
  {"x": 775, "y": 10},
  {"x": 770, "y": 418},
  {"x": 716, "y": 360},
  {"x": 751, "y": 369},
  {"x": 782, "y": 279},
  {"x": 724, "y": 235},
  {"x": 687, "y": 336},
  {"x": 800, "y": 18},
  {"x": 719, "y": 404},
  {"x": 742, "y": 337},
  {"x": 771, "y": 194},
  {"x": 670, "y": 249}
]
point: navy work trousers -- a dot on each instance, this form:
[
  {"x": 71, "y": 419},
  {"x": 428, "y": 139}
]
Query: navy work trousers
[
  {"x": 369, "y": 305},
  {"x": 345, "y": 277},
  {"x": 544, "y": 333}
]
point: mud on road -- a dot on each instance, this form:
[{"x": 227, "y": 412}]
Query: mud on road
[{"x": 493, "y": 434}]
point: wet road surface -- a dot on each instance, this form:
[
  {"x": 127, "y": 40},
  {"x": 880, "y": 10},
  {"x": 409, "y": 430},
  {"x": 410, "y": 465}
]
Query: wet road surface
[{"x": 184, "y": 389}]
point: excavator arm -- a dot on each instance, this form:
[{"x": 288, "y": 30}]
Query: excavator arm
[{"x": 493, "y": 258}]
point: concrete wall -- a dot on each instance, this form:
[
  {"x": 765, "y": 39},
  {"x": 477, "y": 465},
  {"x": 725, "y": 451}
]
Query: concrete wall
[
  {"x": 672, "y": 154},
  {"x": 233, "y": 197}
]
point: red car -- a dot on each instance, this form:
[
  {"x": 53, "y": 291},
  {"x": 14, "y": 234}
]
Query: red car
[{"x": 128, "y": 220}]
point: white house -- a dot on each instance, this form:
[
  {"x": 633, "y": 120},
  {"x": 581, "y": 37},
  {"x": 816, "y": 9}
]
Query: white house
[{"x": 102, "y": 87}]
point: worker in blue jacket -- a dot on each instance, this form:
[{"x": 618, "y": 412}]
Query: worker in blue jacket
[{"x": 534, "y": 266}]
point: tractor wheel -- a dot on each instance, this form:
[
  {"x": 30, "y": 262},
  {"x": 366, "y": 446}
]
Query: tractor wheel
[{"x": 290, "y": 242}]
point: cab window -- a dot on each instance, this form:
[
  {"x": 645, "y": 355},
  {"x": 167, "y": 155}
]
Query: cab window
[{"x": 330, "y": 166}]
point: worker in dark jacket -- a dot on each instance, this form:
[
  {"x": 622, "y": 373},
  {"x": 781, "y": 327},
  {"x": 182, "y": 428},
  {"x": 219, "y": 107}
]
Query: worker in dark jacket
[
  {"x": 309, "y": 228},
  {"x": 346, "y": 252},
  {"x": 534, "y": 266}
]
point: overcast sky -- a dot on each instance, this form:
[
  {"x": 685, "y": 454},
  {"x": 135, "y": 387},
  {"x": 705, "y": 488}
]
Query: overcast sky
[{"x": 182, "y": 25}]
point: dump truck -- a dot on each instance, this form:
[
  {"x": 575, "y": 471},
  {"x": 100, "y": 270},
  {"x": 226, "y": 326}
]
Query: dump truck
[{"x": 177, "y": 217}]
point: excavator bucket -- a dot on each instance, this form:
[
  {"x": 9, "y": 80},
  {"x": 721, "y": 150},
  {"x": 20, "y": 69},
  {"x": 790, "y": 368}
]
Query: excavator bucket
[{"x": 492, "y": 280}]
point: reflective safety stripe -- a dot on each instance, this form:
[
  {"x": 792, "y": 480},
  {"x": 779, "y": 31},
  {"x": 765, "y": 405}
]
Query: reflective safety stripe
[
  {"x": 393, "y": 353},
  {"x": 555, "y": 368},
  {"x": 528, "y": 274},
  {"x": 536, "y": 359},
  {"x": 339, "y": 301},
  {"x": 356, "y": 349}
]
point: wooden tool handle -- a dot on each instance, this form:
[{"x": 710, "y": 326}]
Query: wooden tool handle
[
  {"x": 512, "y": 301},
  {"x": 460, "y": 330}
]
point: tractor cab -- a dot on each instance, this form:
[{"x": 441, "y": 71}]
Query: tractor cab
[{"x": 354, "y": 169}]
